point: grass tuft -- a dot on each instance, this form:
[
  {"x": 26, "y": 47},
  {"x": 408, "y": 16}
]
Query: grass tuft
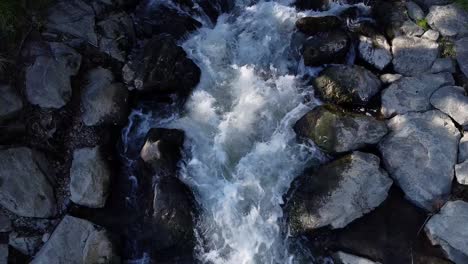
[{"x": 423, "y": 24}]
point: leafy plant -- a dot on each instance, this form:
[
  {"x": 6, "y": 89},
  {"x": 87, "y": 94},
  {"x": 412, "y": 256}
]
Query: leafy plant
[{"x": 423, "y": 24}]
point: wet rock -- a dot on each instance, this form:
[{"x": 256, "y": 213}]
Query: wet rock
[
  {"x": 314, "y": 5},
  {"x": 75, "y": 241},
  {"x": 337, "y": 193},
  {"x": 443, "y": 65},
  {"x": 448, "y": 229},
  {"x": 461, "y": 49},
  {"x": 336, "y": 131},
  {"x": 313, "y": 25},
  {"x": 10, "y": 102},
  {"x": 463, "y": 148},
  {"x": 452, "y": 101},
  {"x": 341, "y": 257},
  {"x": 5, "y": 223},
  {"x": 89, "y": 178},
  {"x": 461, "y": 172},
  {"x": 116, "y": 35},
  {"x": 420, "y": 153},
  {"x": 75, "y": 18},
  {"x": 104, "y": 102},
  {"x": 411, "y": 94},
  {"x": 375, "y": 51},
  {"x": 26, "y": 187},
  {"x": 409, "y": 28},
  {"x": 48, "y": 79},
  {"x": 431, "y": 35},
  {"x": 450, "y": 20},
  {"x": 163, "y": 68},
  {"x": 414, "y": 11},
  {"x": 27, "y": 245},
  {"x": 347, "y": 84},
  {"x": 412, "y": 55},
  {"x": 390, "y": 78},
  {"x": 391, "y": 16},
  {"x": 325, "y": 48}
]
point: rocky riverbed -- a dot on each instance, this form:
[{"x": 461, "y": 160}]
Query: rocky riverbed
[{"x": 233, "y": 132}]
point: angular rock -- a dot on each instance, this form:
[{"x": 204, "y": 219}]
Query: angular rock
[
  {"x": 375, "y": 51},
  {"x": 89, "y": 178},
  {"x": 27, "y": 245},
  {"x": 450, "y": 20},
  {"x": 117, "y": 35},
  {"x": 443, "y": 65},
  {"x": 347, "y": 84},
  {"x": 313, "y": 25},
  {"x": 390, "y": 78},
  {"x": 341, "y": 257},
  {"x": 336, "y": 131},
  {"x": 10, "y": 102},
  {"x": 26, "y": 187},
  {"x": 325, "y": 48},
  {"x": 461, "y": 49},
  {"x": 409, "y": 28},
  {"x": 449, "y": 230},
  {"x": 463, "y": 148},
  {"x": 412, "y": 55},
  {"x": 412, "y": 94},
  {"x": 431, "y": 35},
  {"x": 100, "y": 249},
  {"x": 452, "y": 101},
  {"x": 75, "y": 241},
  {"x": 461, "y": 172},
  {"x": 414, "y": 11},
  {"x": 48, "y": 79},
  {"x": 75, "y": 18},
  {"x": 420, "y": 153},
  {"x": 337, "y": 193},
  {"x": 104, "y": 102}
]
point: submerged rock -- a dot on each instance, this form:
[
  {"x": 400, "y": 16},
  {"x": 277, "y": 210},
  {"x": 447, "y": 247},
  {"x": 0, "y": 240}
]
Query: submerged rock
[
  {"x": 452, "y": 101},
  {"x": 450, "y": 20},
  {"x": 420, "y": 153},
  {"x": 313, "y": 25},
  {"x": 10, "y": 102},
  {"x": 338, "y": 193},
  {"x": 336, "y": 131},
  {"x": 347, "y": 84},
  {"x": 413, "y": 56},
  {"x": 461, "y": 49},
  {"x": 375, "y": 51}
]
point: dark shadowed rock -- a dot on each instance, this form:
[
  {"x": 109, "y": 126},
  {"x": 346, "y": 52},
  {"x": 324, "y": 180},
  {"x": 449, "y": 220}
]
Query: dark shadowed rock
[
  {"x": 325, "y": 48},
  {"x": 413, "y": 56},
  {"x": 452, "y": 101},
  {"x": 313, "y": 25},
  {"x": 345, "y": 258},
  {"x": 391, "y": 16},
  {"x": 10, "y": 102},
  {"x": 116, "y": 35},
  {"x": 312, "y": 4}
]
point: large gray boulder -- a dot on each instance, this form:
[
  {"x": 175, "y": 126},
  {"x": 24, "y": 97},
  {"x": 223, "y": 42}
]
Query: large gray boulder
[
  {"x": 450, "y": 20},
  {"x": 77, "y": 241},
  {"x": 375, "y": 51},
  {"x": 48, "y": 79},
  {"x": 337, "y": 193},
  {"x": 26, "y": 187},
  {"x": 452, "y": 101},
  {"x": 104, "y": 102},
  {"x": 116, "y": 35},
  {"x": 413, "y": 56},
  {"x": 420, "y": 153},
  {"x": 461, "y": 48},
  {"x": 337, "y": 131},
  {"x": 89, "y": 178},
  {"x": 449, "y": 230},
  {"x": 10, "y": 102},
  {"x": 412, "y": 94},
  {"x": 346, "y": 84},
  {"x": 463, "y": 148}
]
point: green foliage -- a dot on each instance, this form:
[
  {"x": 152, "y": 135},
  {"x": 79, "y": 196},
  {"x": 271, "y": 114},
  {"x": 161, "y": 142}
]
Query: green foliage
[
  {"x": 423, "y": 24},
  {"x": 462, "y": 3}
]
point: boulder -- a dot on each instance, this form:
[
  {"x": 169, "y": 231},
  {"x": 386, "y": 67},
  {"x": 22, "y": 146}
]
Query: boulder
[
  {"x": 412, "y": 55},
  {"x": 313, "y": 25},
  {"x": 346, "y": 85},
  {"x": 89, "y": 178},
  {"x": 48, "y": 78},
  {"x": 412, "y": 94},
  {"x": 26, "y": 187},
  {"x": 449, "y": 230},
  {"x": 450, "y": 20},
  {"x": 431, "y": 35},
  {"x": 461, "y": 49},
  {"x": 461, "y": 172},
  {"x": 325, "y": 48},
  {"x": 337, "y": 193},
  {"x": 414, "y": 11},
  {"x": 103, "y": 101},
  {"x": 337, "y": 131},
  {"x": 10, "y": 102},
  {"x": 117, "y": 35},
  {"x": 74, "y": 18},
  {"x": 390, "y": 16},
  {"x": 463, "y": 148},
  {"x": 409, "y": 28},
  {"x": 76, "y": 241},
  {"x": 452, "y": 101},
  {"x": 375, "y": 51},
  {"x": 443, "y": 65},
  {"x": 420, "y": 153},
  {"x": 341, "y": 257}
]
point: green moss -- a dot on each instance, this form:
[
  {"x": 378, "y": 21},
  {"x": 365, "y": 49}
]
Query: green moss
[
  {"x": 423, "y": 24},
  {"x": 447, "y": 48}
]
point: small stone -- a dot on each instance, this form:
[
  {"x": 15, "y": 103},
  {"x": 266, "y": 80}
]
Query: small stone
[
  {"x": 390, "y": 78},
  {"x": 461, "y": 49},
  {"x": 414, "y": 11},
  {"x": 452, "y": 101},
  {"x": 413, "y": 56},
  {"x": 10, "y": 102},
  {"x": 443, "y": 65},
  {"x": 431, "y": 35},
  {"x": 375, "y": 51},
  {"x": 409, "y": 28},
  {"x": 450, "y": 20},
  {"x": 461, "y": 172}
]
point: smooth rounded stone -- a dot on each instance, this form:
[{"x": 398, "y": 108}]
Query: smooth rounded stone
[
  {"x": 100, "y": 249},
  {"x": 413, "y": 56},
  {"x": 375, "y": 51},
  {"x": 89, "y": 178},
  {"x": 444, "y": 65},
  {"x": 10, "y": 102},
  {"x": 337, "y": 131},
  {"x": 461, "y": 172},
  {"x": 412, "y": 94},
  {"x": 414, "y": 11},
  {"x": 463, "y": 148},
  {"x": 337, "y": 193},
  {"x": 452, "y": 101},
  {"x": 449, "y": 230},
  {"x": 117, "y": 35},
  {"x": 26, "y": 188},
  {"x": 75, "y": 18},
  {"x": 346, "y": 84},
  {"x": 313, "y": 25},
  {"x": 461, "y": 49},
  {"x": 431, "y": 35},
  {"x": 420, "y": 153},
  {"x": 71, "y": 242},
  {"x": 103, "y": 101},
  {"x": 5, "y": 223},
  {"x": 27, "y": 245},
  {"x": 409, "y": 28},
  {"x": 390, "y": 78},
  {"x": 450, "y": 20},
  {"x": 48, "y": 79},
  {"x": 341, "y": 257},
  {"x": 326, "y": 48}
]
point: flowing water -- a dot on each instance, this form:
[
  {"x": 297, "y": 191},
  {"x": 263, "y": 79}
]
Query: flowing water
[{"x": 241, "y": 153}]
